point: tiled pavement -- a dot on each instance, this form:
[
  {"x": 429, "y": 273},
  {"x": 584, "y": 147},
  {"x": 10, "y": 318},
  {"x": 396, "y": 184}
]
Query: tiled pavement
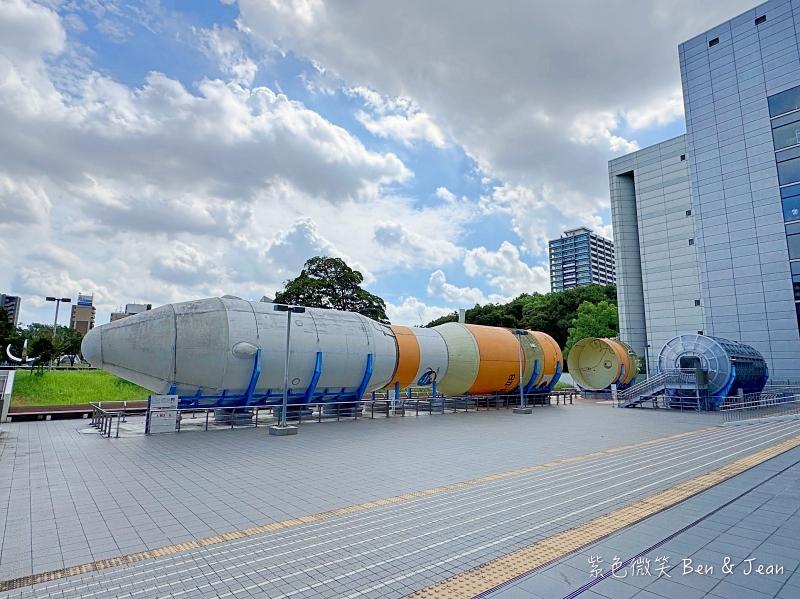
[
  {"x": 393, "y": 550},
  {"x": 763, "y": 526},
  {"x": 69, "y": 498}
]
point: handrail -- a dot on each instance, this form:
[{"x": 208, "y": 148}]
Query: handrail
[
  {"x": 768, "y": 405},
  {"x": 654, "y": 383}
]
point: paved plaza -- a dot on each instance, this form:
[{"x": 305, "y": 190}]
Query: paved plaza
[{"x": 419, "y": 499}]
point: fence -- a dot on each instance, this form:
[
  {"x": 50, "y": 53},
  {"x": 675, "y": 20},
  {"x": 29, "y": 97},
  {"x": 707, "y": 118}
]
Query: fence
[
  {"x": 108, "y": 420},
  {"x": 104, "y": 416},
  {"x": 773, "y": 401}
]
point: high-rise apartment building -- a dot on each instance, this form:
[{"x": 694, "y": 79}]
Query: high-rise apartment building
[
  {"x": 707, "y": 225},
  {"x": 579, "y": 258},
  {"x": 12, "y": 304}
]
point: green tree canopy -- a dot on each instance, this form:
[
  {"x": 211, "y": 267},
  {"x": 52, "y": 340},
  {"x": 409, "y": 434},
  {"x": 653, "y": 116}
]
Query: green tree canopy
[
  {"x": 8, "y": 333},
  {"x": 40, "y": 341},
  {"x": 551, "y": 313},
  {"x": 593, "y": 320},
  {"x": 330, "y": 283}
]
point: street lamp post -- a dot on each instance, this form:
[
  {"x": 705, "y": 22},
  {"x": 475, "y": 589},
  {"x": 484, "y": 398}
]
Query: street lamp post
[
  {"x": 646, "y": 361},
  {"x": 523, "y": 407},
  {"x": 283, "y": 428},
  {"x": 58, "y": 301}
]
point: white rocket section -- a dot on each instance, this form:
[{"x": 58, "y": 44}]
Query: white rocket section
[
  {"x": 210, "y": 344},
  {"x": 432, "y": 356}
]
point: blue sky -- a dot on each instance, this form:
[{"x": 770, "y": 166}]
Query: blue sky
[{"x": 157, "y": 151}]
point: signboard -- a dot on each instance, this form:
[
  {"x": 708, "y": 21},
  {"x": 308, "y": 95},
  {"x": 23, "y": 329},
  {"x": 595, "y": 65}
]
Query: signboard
[
  {"x": 85, "y": 300},
  {"x": 163, "y": 410},
  {"x": 163, "y": 402},
  {"x": 163, "y": 421}
]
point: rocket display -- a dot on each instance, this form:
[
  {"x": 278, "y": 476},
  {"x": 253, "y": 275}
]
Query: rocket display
[{"x": 231, "y": 348}]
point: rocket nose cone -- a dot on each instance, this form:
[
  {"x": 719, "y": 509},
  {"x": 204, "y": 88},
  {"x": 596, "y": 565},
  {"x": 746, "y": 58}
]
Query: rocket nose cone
[{"x": 92, "y": 348}]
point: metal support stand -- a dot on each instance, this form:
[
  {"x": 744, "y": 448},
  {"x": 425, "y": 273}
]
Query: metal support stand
[{"x": 284, "y": 429}]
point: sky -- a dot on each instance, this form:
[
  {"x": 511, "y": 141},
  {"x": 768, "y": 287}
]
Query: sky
[{"x": 156, "y": 151}]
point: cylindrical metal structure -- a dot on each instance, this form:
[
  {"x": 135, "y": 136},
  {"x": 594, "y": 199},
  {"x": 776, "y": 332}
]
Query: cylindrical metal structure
[
  {"x": 210, "y": 345},
  {"x": 432, "y": 357},
  {"x": 731, "y": 365},
  {"x": 481, "y": 359},
  {"x": 596, "y": 364},
  {"x": 552, "y": 360},
  {"x": 231, "y": 349},
  {"x": 408, "y": 356}
]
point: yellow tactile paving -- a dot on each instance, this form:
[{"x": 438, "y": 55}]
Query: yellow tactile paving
[
  {"x": 490, "y": 575},
  {"x": 103, "y": 564}
]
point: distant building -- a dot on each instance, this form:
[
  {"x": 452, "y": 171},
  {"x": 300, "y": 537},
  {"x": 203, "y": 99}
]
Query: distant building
[
  {"x": 579, "y": 258},
  {"x": 12, "y": 304},
  {"x": 130, "y": 310},
  {"x": 83, "y": 314}
]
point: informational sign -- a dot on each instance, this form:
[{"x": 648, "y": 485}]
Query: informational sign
[
  {"x": 85, "y": 300},
  {"x": 163, "y": 402},
  {"x": 163, "y": 410}
]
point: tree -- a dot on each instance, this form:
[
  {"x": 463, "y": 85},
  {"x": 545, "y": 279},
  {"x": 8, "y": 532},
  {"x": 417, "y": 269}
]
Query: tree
[
  {"x": 553, "y": 313},
  {"x": 330, "y": 283},
  {"x": 593, "y": 320},
  {"x": 68, "y": 343},
  {"x": 6, "y": 332},
  {"x": 43, "y": 349},
  {"x": 550, "y": 313},
  {"x": 452, "y": 317}
]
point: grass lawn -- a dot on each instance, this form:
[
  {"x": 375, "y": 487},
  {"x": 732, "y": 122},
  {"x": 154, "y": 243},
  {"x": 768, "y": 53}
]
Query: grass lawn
[{"x": 71, "y": 387}]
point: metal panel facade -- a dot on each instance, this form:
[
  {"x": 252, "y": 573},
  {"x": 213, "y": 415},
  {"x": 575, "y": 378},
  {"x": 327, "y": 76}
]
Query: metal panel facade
[
  {"x": 653, "y": 219},
  {"x": 738, "y": 264},
  {"x": 741, "y": 238}
]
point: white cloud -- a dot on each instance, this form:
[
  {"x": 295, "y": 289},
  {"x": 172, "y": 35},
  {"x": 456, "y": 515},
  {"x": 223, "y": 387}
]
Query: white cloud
[
  {"x": 396, "y": 118},
  {"x": 506, "y": 80},
  {"x": 404, "y": 127},
  {"x": 412, "y": 312},
  {"x": 168, "y": 193},
  {"x": 412, "y": 249},
  {"x": 465, "y": 296},
  {"x": 184, "y": 265},
  {"x": 543, "y": 213},
  {"x": 114, "y": 30},
  {"x": 598, "y": 127},
  {"x": 657, "y": 114},
  {"x": 445, "y": 194},
  {"x": 22, "y": 202},
  {"x": 506, "y": 271},
  {"x": 224, "y": 44}
]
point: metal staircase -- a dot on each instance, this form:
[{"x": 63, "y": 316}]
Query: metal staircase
[{"x": 656, "y": 386}]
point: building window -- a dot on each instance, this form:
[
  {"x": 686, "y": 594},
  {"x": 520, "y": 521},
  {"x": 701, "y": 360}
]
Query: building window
[
  {"x": 699, "y": 332},
  {"x": 696, "y": 302},
  {"x": 761, "y": 19},
  {"x": 713, "y": 42},
  {"x": 786, "y": 101},
  {"x": 691, "y": 242},
  {"x": 789, "y": 171},
  {"x": 683, "y": 156},
  {"x": 791, "y": 203},
  {"x": 688, "y": 213},
  {"x": 794, "y": 246}
]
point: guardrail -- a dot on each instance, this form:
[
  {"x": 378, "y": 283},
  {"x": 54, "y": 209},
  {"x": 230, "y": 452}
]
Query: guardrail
[
  {"x": 253, "y": 416},
  {"x": 761, "y": 405},
  {"x": 103, "y": 416},
  {"x": 656, "y": 382}
]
